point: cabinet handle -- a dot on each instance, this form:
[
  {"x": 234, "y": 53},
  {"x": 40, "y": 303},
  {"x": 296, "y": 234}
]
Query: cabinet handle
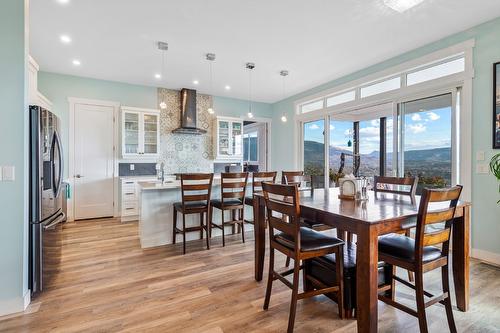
[
  {"x": 129, "y": 182},
  {"x": 129, "y": 193},
  {"x": 129, "y": 208}
]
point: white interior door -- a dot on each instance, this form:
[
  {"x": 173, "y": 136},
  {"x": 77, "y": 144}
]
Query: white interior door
[{"x": 94, "y": 161}]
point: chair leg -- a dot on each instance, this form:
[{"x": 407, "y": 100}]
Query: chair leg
[
  {"x": 447, "y": 302},
  {"x": 223, "y": 228},
  {"x": 242, "y": 219},
  {"x": 390, "y": 272},
  {"x": 207, "y": 228},
  {"x": 174, "y": 232},
  {"x": 210, "y": 222},
  {"x": 287, "y": 263},
  {"x": 295, "y": 292},
  {"x": 411, "y": 277},
  {"x": 270, "y": 279},
  {"x": 184, "y": 233},
  {"x": 201, "y": 225},
  {"x": 340, "y": 280},
  {"x": 233, "y": 217},
  {"x": 419, "y": 292}
]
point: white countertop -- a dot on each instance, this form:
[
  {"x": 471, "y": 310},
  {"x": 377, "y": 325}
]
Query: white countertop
[
  {"x": 168, "y": 185},
  {"x": 137, "y": 177}
]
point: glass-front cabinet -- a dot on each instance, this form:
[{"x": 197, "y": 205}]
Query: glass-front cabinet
[
  {"x": 228, "y": 138},
  {"x": 140, "y": 133}
]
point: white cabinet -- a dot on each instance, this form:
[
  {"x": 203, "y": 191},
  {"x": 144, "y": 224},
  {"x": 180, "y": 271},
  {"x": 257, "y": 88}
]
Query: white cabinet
[
  {"x": 140, "y": 132},
  {"x": 34, "y": 96},
  {"x": 130, "y": 194},
  {"x": 228, "y": 139}
]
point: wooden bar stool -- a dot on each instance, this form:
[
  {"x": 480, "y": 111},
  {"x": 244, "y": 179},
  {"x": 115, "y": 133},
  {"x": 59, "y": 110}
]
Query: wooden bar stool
[
  {"x": 196, "y": 190},
  {"x": 421, "y": 255},
  {"x": 233, "y": 189},
  {"x": 257, "y": 179},
  {"x": 299, "y": 243}
]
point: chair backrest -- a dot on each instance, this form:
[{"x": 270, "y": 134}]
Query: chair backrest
[
  {"x": 259, "y": 177},
  {"x": 395, "y": 185},
  {"x": 196, "y": 187},
  {"x": 428, "y": 217},
  {"x": 283, "y": 200},
  {"x": 233, "y": 186},
  {"x": 292, "y": 177}
]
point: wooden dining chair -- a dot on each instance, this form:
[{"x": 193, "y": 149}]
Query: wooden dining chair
[
  {"x": 257, "y": 179},
  {"x": 420, "y": 255},
  {"x": 195, "y": 190},
  {"x": 233, "y": 188},
  {"x": 297, "y": 242}
]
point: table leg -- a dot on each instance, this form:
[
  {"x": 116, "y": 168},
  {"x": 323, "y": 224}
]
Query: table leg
[
  {"x": 259, "y": 229},
  {"x": 367, "y": 279},
  {"x": 460, "y": 257}
]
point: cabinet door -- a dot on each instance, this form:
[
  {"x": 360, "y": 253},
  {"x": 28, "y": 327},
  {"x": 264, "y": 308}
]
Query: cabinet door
[
  {"x": 151, "y": 134},
  {"x": 223, "y": 138},
  {"x": 131, "y": 133},
  {"x": 236, "y": 139}
]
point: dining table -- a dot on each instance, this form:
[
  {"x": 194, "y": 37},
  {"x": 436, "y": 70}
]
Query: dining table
[{"x": 380, "y": 214}]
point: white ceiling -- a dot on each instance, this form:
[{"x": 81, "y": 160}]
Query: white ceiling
[{"x": 316, "y": 40}]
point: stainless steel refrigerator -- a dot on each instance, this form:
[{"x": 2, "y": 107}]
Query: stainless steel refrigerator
[{"x": 46, "y": 213}]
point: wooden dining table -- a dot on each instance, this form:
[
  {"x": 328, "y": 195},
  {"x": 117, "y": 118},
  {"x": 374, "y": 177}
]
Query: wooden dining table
[{"x": 380, "y": 214}]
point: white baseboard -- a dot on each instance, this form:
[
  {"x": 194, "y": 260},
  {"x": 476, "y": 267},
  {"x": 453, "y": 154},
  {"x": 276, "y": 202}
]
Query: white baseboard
[
  {"x": 486, "y": 256},
  {"x": 10, "y": 306}
]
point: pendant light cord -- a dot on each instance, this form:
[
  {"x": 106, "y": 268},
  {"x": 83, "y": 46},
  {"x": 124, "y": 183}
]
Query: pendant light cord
[{"x": 249, "y": 90}]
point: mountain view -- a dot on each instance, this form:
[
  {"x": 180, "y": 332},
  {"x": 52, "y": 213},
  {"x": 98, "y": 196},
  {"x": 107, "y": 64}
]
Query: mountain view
[{"x": 432, "y": 166}]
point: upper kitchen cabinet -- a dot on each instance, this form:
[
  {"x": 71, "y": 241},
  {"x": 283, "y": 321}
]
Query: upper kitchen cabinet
[
  {"x": 228, "y": 138},
  {"x": 34, "y": 96},
  {"x": 140, "y": 132}
]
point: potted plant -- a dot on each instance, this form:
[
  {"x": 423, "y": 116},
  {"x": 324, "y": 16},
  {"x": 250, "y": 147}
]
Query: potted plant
[{"x": 495, "y": 168}]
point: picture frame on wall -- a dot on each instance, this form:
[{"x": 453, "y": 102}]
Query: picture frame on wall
[{"x": 496, "y": 105}]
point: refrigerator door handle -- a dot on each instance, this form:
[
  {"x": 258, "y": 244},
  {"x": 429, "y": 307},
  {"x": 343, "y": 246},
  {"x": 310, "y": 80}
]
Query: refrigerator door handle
[
  {"x": 55, "y": 222},
  {"x": 57, "y": 142}
]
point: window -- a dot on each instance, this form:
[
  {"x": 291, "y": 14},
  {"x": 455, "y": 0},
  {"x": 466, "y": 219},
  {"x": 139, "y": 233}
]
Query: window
[
  {"x": 313, "y": 106},
  {"x": 250, "y": 147},
  {"x": 381, "y": 87},
  {"x": 436, "y": 71},
  {"x": 369, "y": 148},
  {"x": 427, "y": 141},
  {"x": 341, "y": 98},
  {"x": 314, "y": 151},
  {"x": 341, "y": 141},
  {"x": 389, "y": 146}
]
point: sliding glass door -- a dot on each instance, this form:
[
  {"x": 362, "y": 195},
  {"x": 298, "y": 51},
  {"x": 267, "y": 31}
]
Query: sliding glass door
[
  {"x": 314, "y": 151},
  {"x": 426, "y": 141},
  {"x": 341, "y": 148}
]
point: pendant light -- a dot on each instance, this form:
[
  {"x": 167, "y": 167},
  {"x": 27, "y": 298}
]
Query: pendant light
[
  {"x": 211, "y": 58},
  {"x": 283, "y": 73},
  {"x": 250, "y": 66},
  {"x": 163, "y": 47}
]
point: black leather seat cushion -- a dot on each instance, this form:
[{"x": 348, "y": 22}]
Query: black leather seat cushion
[
  {"x": 191, "y": 205},
  {"x": 310, "y": 240},
  {"x": 402, "y": 247},
  {"x": 227, "y": 202},
  {"x": 324, "y": 269}
]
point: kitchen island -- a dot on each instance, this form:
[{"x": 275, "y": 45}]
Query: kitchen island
[{"x": 157, "y": 208}]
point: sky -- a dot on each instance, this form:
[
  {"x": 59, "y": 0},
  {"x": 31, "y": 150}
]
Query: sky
[{"x": 423, "y": 130}]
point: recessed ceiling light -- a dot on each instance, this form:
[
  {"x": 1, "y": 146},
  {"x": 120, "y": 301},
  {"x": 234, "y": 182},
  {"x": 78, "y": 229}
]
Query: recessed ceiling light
[
  {"x": 157, "y": 76},
  {"x": 402, "y": 5},
  {"x": 65, "y": 39},
  {"x": 76, "y": 62},
  {"x": 196, "y": 82},
  {"x": 64, "y": 2},
  {"x": 227, "y": 87}
]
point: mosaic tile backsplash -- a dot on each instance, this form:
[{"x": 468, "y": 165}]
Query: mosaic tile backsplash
[{"x": 184, "y": 152}]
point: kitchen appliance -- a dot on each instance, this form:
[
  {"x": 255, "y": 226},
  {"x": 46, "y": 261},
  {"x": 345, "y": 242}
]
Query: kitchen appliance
[
  {"x": 188, "y": 114},
  {"x": 45, "y": 190}
]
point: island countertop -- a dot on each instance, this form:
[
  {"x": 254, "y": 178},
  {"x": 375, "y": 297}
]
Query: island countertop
[{"x": 173, "y": 184}]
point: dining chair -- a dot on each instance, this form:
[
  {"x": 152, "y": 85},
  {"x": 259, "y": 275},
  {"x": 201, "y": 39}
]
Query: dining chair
[
  {"x": 297, "y": 242},
  {"x": 233, "y": 188},
  {"x": 195, "y": 190},
  {"x": 257, "y": 179},
  {"x": 421, "y": 255}
]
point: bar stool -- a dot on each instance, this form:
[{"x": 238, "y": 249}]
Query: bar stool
[
  {"x": 257, "y": 179},
  {"x": 299, "y": 243},
  {"x": 233, "y": 189},
  {"x": 195, "y": 190},
  {"x": 420, "y": 255}
]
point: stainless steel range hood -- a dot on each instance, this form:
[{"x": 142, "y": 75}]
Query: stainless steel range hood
[{"x": 188, "y": 114}]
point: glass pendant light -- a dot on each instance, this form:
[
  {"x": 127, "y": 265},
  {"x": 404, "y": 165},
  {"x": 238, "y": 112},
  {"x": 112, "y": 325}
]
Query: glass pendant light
[
  {"x": 163, "y": 47},
  {"x": 211, "y": 58},
  {"x": 250, "y": 66},
  {"x": 283, "y": 73}
]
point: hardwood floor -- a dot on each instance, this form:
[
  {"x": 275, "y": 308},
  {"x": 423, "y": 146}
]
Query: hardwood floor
[{"x": 107, "y": 283}]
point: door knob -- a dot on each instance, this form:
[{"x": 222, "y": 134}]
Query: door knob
[{"x": 78, "y": 176}]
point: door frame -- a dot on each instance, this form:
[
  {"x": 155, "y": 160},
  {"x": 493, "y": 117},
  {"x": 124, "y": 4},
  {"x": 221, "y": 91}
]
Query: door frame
[
  {"x": 73, "y": 101},
  {"x": 256, "y": 125},
  {"x": 269, "y": 123}
]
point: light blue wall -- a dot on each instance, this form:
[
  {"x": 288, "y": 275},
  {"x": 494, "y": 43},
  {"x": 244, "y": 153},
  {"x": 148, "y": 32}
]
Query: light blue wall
[
  {"x": 486, "y": 213},
  {"x": 13, "y": 130},
  {"x": 232, "y": 107}
]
